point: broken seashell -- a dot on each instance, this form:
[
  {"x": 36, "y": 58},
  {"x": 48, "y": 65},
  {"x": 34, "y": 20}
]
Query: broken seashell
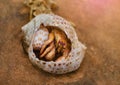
[{"x": 64, "y": 65}]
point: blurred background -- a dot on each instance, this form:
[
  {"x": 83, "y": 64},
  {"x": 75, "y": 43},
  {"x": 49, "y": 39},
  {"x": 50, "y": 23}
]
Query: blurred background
[{"x": 97, "y": 26}]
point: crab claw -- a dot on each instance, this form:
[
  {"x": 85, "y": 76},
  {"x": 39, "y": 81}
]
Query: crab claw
[
  {"x": 50, "y": 39},
  {"x": 50, "y": 55},
  {"x": 47, "y": 50}
]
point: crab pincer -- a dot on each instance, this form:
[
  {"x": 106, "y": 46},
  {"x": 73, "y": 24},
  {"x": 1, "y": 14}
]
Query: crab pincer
[{"x": 50, "y": 55}]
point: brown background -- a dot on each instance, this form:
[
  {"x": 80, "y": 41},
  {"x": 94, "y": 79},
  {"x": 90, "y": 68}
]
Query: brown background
[{"x": 98, "y": 27}]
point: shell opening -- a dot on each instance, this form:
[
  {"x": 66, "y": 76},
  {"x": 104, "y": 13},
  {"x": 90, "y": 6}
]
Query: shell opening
[{"x": 56, "y": 47}]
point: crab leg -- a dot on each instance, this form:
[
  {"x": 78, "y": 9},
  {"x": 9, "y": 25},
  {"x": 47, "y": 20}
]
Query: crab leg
[
  {"x": 50, "y": 55},
  {"x": 65, "y": 54},
  {"x": 50, "y": 39},
  {"x": 47, "y": 50},
  {"x": 59, "y": 48}
]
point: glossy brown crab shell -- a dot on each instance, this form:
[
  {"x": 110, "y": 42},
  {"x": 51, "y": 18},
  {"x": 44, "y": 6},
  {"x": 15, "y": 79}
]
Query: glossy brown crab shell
[{"x": 76, "y": 54}]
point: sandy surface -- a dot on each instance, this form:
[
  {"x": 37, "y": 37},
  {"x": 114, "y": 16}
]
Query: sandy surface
[{"x": 98, "y": 27}]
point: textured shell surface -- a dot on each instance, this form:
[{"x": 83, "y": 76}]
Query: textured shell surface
[
  {"x": 32, "y": 34},
  {"x": 40, "y": 37}
]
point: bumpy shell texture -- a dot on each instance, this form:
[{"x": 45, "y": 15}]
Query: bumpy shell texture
[{"x": 76, "y": 54}]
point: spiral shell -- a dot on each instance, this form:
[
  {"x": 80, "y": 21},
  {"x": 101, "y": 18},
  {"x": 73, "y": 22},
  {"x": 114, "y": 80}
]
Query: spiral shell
[{"x": 76, "y": 54}]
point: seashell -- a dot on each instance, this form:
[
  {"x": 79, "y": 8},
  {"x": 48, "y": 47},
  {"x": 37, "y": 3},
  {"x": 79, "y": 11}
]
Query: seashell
[{"x": 65, "y": 65}]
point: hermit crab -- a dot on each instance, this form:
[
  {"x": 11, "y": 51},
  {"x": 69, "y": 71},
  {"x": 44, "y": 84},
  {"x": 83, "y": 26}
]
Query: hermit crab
[{"x": 53, "y": 44}]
